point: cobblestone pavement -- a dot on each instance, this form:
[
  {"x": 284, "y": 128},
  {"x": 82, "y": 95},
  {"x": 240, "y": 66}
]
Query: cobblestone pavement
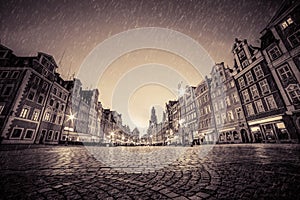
[{"x": 259, "y": 171}]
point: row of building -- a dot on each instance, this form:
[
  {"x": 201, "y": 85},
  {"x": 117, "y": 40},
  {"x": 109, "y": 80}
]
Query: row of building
[
  {"x": 256, "y": 100},
  {"x": 38, "y": 106}
]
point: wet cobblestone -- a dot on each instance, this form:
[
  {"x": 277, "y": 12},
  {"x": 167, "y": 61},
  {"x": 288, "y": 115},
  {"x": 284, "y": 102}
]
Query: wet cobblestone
[{"x": 258, "y": 171}]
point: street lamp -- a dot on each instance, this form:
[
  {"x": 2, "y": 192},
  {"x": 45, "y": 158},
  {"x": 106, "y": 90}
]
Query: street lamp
[
  {"x": 71, "y": 118},
  {"x": 112, "y": 137}
]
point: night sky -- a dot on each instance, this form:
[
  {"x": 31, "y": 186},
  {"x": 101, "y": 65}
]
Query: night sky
[{"x": 76, "y": 27}]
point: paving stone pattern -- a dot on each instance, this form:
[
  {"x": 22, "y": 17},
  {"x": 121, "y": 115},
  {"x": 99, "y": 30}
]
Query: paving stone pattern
[{"x": 243, "y": 171}]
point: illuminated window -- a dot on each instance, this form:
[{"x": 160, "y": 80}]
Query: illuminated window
[
  {"x": 241, "y": 82},
  {"x": 24, "y": 112},
  {"x": 1, "y": 108},
  {"x": 47, "y": 116},
  {"x": 254, "y": 91},
  {"x": 271, "y": 103},
  {"x": 249, "y": 77},
  {"x": 274, "y": 53},
  {"x": 35, "y": 115},
  {"x": 286, "y": 23},
  {"x": 245, "y": 95},
  {"x": 227, "y": 100},
  {"x": 264, "y": 86},
  {"x": 294, "y": 93},
  {"x": 232, "y": 83},
  {"x": 258, "y": 72},
  {"x": 249, "y": 109},
  {"x": 259, "y": 106},
  {"x": 284, "y": 72}
]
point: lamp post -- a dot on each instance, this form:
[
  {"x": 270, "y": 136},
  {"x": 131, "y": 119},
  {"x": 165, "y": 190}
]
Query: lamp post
[{"x": 71, "y": 117}]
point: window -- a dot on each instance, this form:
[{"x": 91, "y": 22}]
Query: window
[
  {"x": 47, "y": 117},
  {"x": 35, "y": 115},
  {"x": 264, "y": 86},
  {"x": 50, "y": 133},
  {"x": 7, "y": 90},
  {"x": 294, "y": 39},
  {"x": 259, "y": 106},
  {"x": 56, "y": 135},
  {"x": 235, "y": 97},
  {"x": 45, "y": 86},
  {"x": 274, "y": 53},
  {"x": 232, "y": 83},
  {"x": 223, "y": 117},
  {"x": 1, "y": 108},
  {"x": 249, "y": 77},
  {"x": 51, "y": 102},
  {"x": 249, "y": 109},
  {"x": 54, "y": 91},
  {"x": 31, "y": 95},
  {"x": 218, "y": 121},
  {"x": 284, "y": 72},
  {"x": 16, "y": 133},
  {"x": 4, "y": 74},
  {"x": 36, "y": 80},
  {"x": 60, "y": 94},
  {"x": 15, "y": 75},
  {"x": 254, "y": 91},
  {"x": 293, "y": 91},
  {"x": 239, "y": 113},
  {"x": 57, "y": 105},
  {"x": 227, "y": 100},
  {"x": 29, "y": 133},
  {"x": 245, "y": 63},
  {"x": 62, "y": 107},
  {"x": 245, "y": 95},
  {"x": 54, "y": 118},
  {"x": 241, "y": 82},
  {"x": 40, "y": 99},
  {"x": 286, "y": 23},
  {"x": 258, "y": 72},
  {"x": 230, "y": 115},
  {"x": 271, "y": 103},
  {"x": 241, "y": 54},
  {"x": 24, "y": 112}
]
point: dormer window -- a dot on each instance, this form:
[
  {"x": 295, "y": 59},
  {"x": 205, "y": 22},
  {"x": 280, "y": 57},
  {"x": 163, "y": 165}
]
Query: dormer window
[
  {"x": 286, "y": 23},
  {"x": 274, "y": 53}
]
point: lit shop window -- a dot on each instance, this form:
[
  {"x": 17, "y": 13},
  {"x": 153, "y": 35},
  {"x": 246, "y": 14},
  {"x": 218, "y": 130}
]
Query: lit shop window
[
  {"x": 235, "y": 97},
  {"x": 47, "y": 117},
  {"x": 35, "y": 115},
  {"x": 230, "y": 115}
]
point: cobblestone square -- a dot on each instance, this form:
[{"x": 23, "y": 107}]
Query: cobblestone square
[{"x": 256, "y": 171}]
